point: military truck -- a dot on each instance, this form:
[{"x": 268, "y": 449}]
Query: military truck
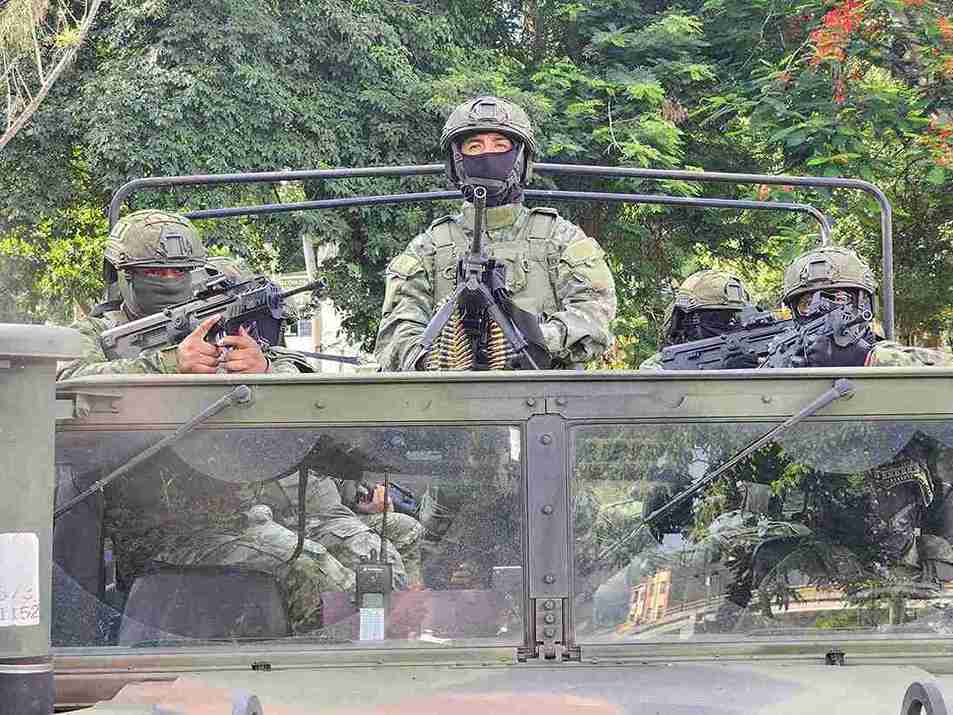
[{"x": 545, "y": 589}]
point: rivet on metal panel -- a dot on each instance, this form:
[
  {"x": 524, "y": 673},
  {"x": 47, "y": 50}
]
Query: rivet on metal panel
[
  {"x": 546, "y": 439},
  {"x": 530, "y": 402},
  {"x": 549, "y": 604},
  {"x": 550, "y": 618},
  {"x": 767, "y": 399},
  {"x": 319, "y": 405},
  {"x": 549, "y": 632},
  {"x": 548, "y": 509},
  {"x": 561, "y": 401},
  {"x": 549, "y": 578}
]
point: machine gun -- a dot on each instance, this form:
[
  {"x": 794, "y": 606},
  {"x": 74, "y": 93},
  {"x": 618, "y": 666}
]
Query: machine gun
[
  {"x": 256, "y": 304},
  {"x": 843, "y": 324},
  {"x": 750, "y": 342},
  {"x": 476, "y": 328}
]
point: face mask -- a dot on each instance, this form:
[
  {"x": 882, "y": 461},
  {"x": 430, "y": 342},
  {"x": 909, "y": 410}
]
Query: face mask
[
  {"x": 156, "y": 294},
  {"x": 494, "y": 167}
]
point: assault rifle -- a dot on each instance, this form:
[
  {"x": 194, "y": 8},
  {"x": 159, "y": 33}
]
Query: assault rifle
[
  {"x": 843, "y": 324},
  {"x": 750, "y": 342},
  {"x": 256, "y": 304}
]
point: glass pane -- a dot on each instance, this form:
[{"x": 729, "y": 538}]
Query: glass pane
[
  {"x": 200, "y": 542},
  {"x": 842, "y": 525}
]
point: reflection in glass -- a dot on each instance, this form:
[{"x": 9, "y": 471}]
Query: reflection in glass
[
  {"x": 202, "y": 542},
  {"x": 843, "y": 525}
]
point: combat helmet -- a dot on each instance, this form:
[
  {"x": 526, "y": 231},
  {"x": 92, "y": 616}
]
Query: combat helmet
[
  {"x": 706, "y": 290},
  {"x": 828, "y": 267},
  {"x": 149, "y": 239},
  {"x": 489, "y": 114}
]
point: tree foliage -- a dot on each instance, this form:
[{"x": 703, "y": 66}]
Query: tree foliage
[{"x": 830, "y": 87}]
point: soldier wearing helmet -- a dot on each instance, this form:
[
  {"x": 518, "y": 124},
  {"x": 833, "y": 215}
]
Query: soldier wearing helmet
[
  {"x": 839, "y": 274},
  {"x": 707, "y": 304},
  {"x": 149, "y": 259},
  {"x": 553, "y": 270}
]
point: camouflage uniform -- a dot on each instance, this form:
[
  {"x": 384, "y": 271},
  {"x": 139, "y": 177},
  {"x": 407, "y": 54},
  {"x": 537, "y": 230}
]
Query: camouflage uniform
[
  {"x": 553, "y": 270},
  {"x": 901, "y": 493},
  {"x": 701, "y": 292},
  {"x": 164, "y": 512},
  {"x": 353, "y": 538}
]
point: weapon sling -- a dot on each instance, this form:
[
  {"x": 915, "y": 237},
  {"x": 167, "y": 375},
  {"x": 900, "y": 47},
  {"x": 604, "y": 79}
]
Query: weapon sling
[
  {"x": 841, "y": 388},
  {"x": 240, "y": 395}
]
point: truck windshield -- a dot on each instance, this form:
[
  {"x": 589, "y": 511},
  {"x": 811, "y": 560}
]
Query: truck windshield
[
  {"x": 835, "y": 525},
  {"x": 200, "y": 543}
]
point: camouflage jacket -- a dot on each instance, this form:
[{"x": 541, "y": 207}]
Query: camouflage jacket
[
  {"x": 159, "y": 360},
  {"x": 552, "y": 270},
  {"x": 888, "y": 353}
]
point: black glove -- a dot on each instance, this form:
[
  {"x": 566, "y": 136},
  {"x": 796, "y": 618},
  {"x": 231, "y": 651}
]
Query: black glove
[
  {"x": 740, "y": 359},
  {"x": 528, "y": 324},
  {"x": 822, "y": 352}
]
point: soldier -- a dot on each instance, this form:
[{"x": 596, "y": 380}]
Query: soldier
[
  {"x": 165, "y": 512},
  {"x": 353, "y": 538},
  {"x": 706, "y": 304},
  {"x": 843, "y": 276},
  {"x": 149, "y": 255},
  {"x": 553, "y": 270},
  {"x": 914, "y": 489}
]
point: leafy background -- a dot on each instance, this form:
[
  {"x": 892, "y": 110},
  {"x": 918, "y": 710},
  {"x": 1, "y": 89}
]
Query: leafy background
[{"x": 859, "y": 89}]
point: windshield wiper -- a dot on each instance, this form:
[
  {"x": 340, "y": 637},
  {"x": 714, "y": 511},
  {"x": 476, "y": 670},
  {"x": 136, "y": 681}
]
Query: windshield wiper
[
  {"x": 841, "y": 388},
  {"x": 238, "y": 396}
]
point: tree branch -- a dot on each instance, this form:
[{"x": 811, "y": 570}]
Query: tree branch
[{"x": 60, "y": 68}]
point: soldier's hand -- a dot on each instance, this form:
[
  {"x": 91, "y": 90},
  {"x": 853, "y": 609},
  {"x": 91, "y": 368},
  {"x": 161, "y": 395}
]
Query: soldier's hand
[
  {"x": 376, "y": 504},
  {"x": 821, "y": 351},
  {"x": 194, "y": 354},
  {"x": 243, "y": 353}
]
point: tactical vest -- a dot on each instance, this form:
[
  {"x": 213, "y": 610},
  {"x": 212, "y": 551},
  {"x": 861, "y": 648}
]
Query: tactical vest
[{"x": 531, "y": 257}]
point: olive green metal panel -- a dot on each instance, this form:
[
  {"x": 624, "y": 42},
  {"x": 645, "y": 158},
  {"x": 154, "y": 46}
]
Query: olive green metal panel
[
  {"x": 279, "y": 400},
  {"x": 27, "y": 373}
]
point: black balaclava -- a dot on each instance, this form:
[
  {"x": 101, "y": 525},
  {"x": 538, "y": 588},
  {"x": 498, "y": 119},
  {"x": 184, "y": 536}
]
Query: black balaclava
[
  {"x": 502, "y": 174},
  {"x": 497, "y": 167}
]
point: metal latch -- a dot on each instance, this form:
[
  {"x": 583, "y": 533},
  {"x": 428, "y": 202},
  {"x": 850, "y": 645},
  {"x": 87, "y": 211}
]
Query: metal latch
[{"x": 82, "y": 403}]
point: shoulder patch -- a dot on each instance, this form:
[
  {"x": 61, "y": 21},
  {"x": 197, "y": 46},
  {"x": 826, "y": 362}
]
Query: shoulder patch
[
  {"x": 405, "y": 265},
  {"x": 542, "y": 222},
  {"x": 583, "y": 250}
]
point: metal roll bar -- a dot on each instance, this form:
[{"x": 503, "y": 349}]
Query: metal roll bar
[
  {"x": 886, "y": 210},
  {"x": 389, "y": 199}
]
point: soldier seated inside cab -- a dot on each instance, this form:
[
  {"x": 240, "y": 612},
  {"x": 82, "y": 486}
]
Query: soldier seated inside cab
[
  {"x": 707, "y": 303},
  {"x": 164, "y": 513},
  {"x": 554, "y": 272}
]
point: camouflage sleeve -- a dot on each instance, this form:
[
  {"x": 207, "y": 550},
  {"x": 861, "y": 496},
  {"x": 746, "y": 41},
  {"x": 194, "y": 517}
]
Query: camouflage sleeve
[
  {"x": 408, "y": 307},
  {"x": 95, "y": 362},
  {"x": 891, "y": 354},
  {"x": 286, "y": 361},
  {"x": 585, "y": 290},
  {"x": 652, "y": 363}
]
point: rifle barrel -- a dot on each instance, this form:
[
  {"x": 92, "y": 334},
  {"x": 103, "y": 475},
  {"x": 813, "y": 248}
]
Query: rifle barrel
[
  {"x": 479, "y": 211},
  {"x": 312, "y": 286}
]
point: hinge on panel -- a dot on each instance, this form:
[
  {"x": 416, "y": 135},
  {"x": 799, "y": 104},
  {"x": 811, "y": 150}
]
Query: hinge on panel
[{"x": 550, "y": 633}]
